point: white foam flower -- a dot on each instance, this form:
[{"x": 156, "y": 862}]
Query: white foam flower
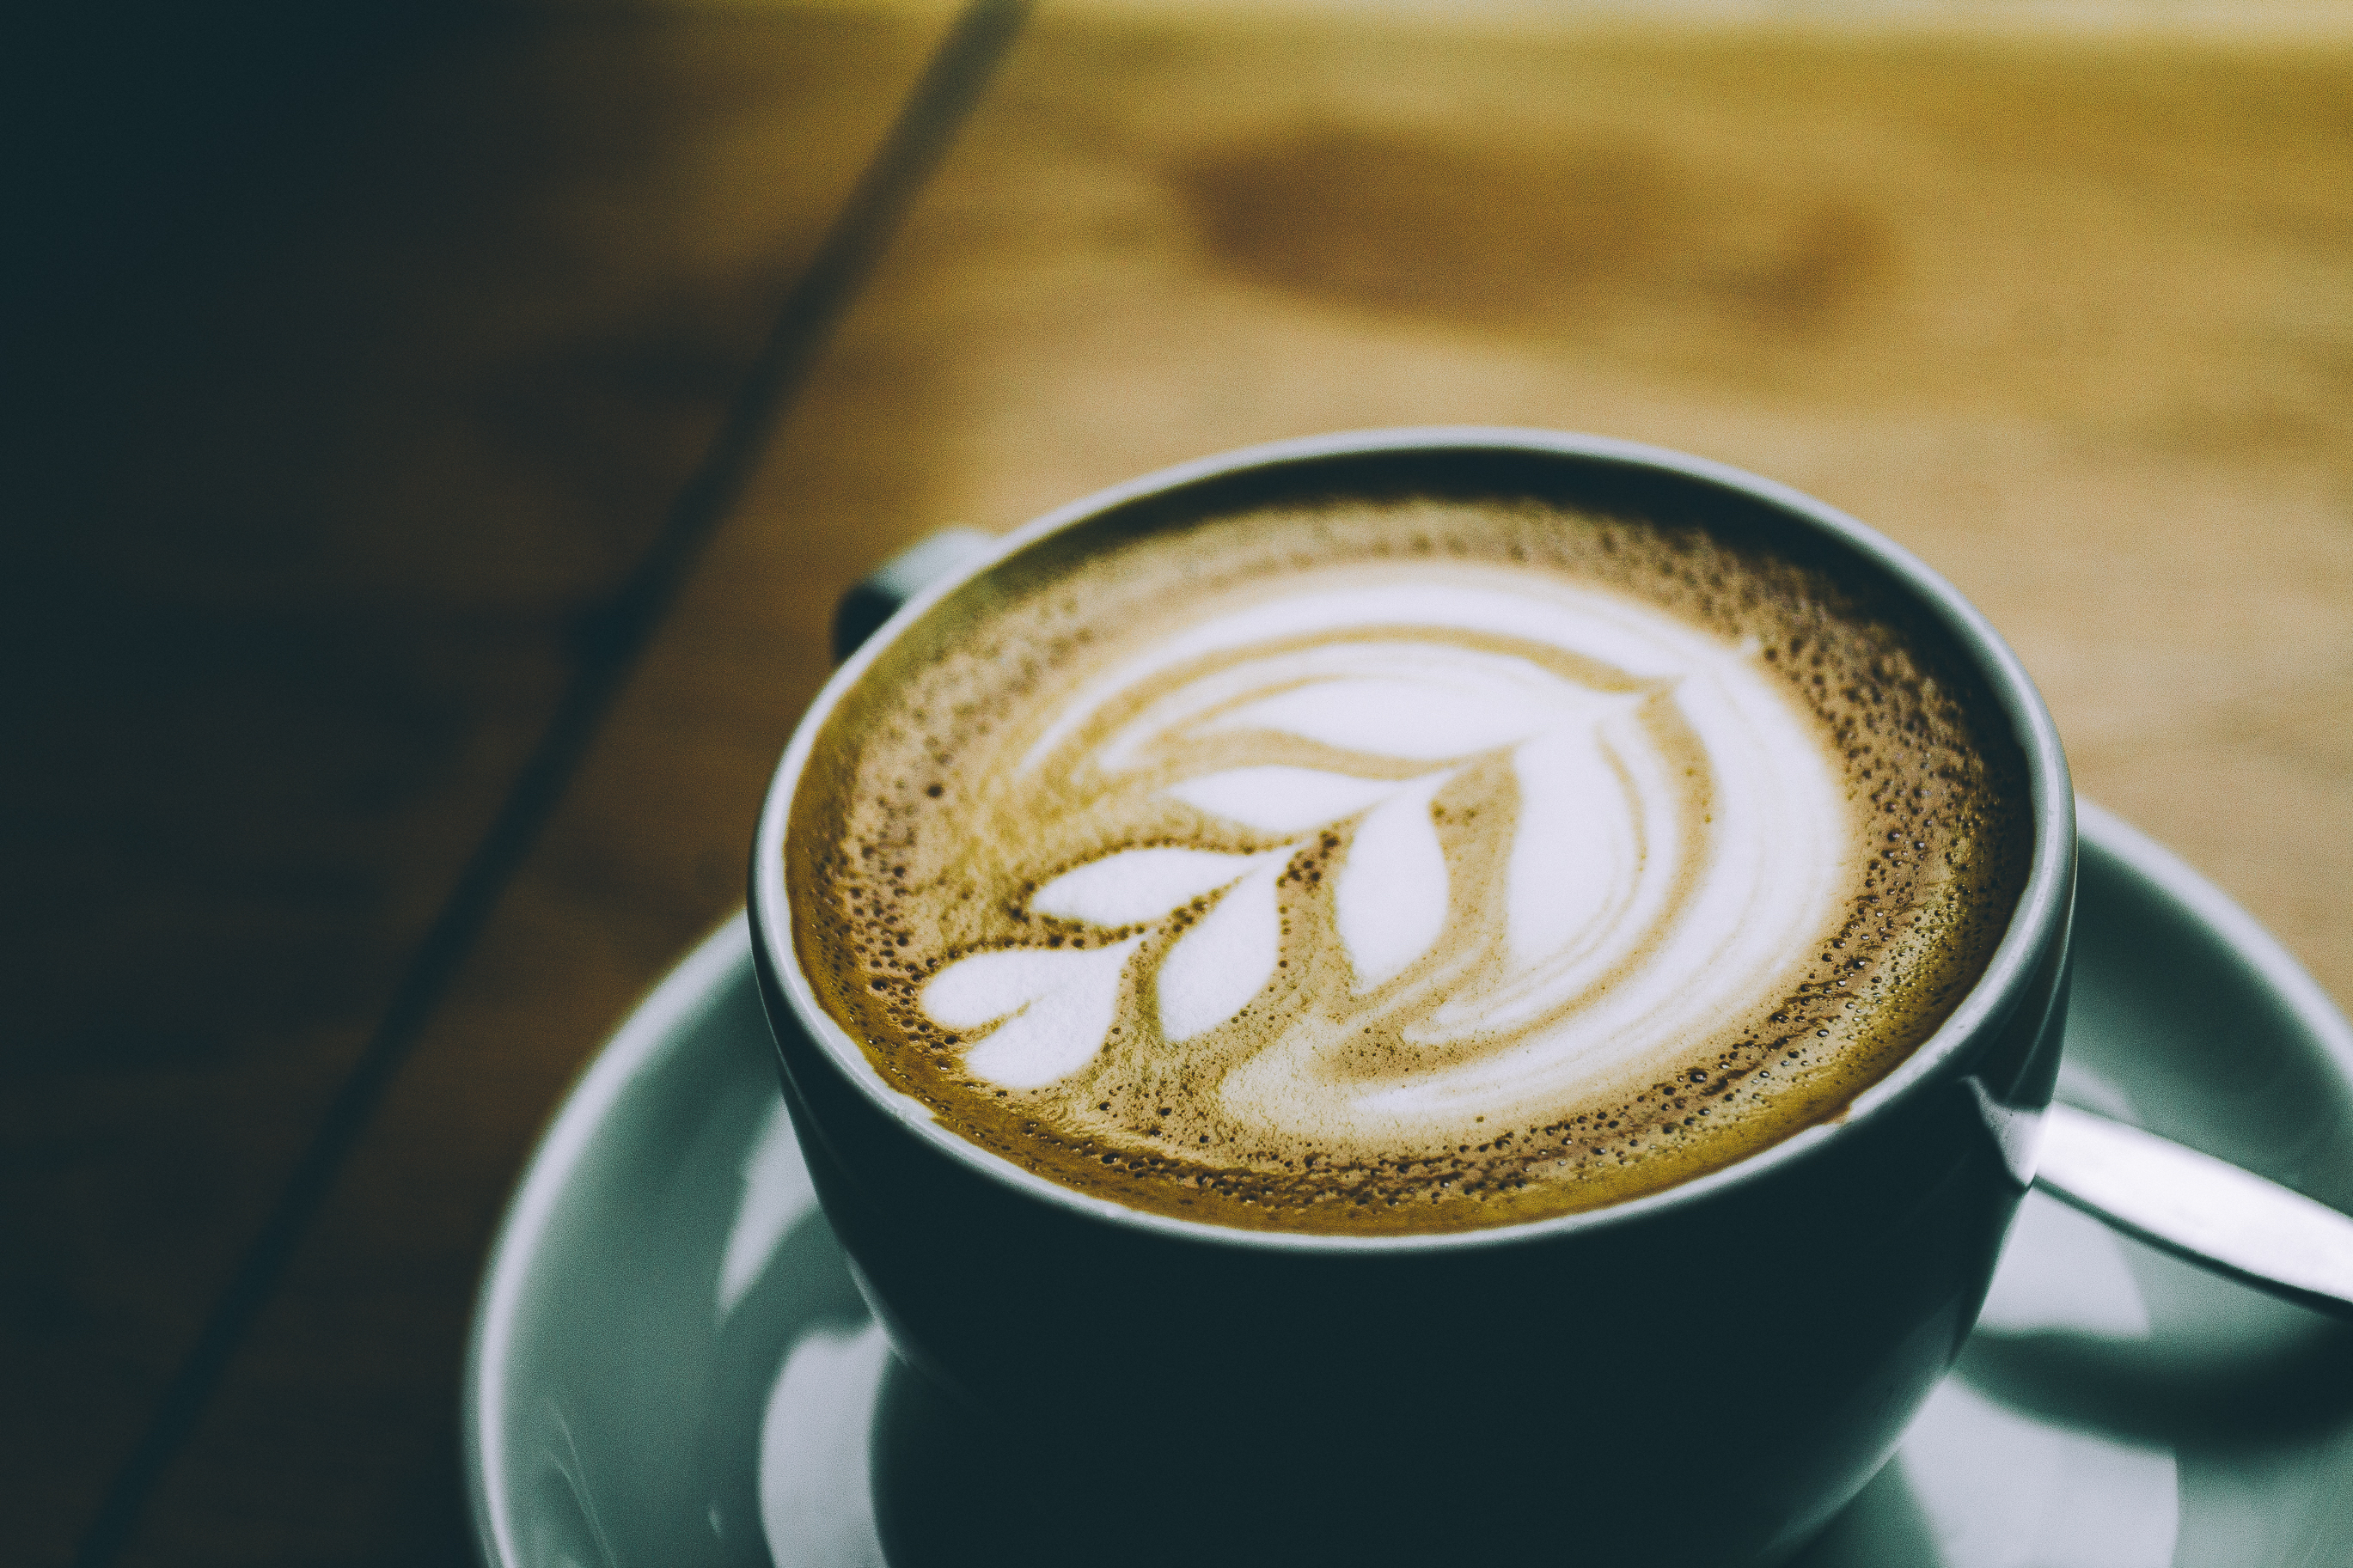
[
  {"x": 1426, "y": 719},
  {"x": 1053, "y": 1008},
  {"x": 1138, "y": 885},
  {"x": 1633, "y": 904},
  {"x": 1057, "y": 1004},
  {"x": 1390, "y": 902},
  {"x": 1281, "y": 799},
  {"x": 1217, "y": 966}
]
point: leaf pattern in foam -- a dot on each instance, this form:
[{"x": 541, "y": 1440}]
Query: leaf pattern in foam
[
  {"x": 1138, "y": 885},
  {"x": 1218, "y": 965},
  {"x": 1390, "y": 899},
  {"x": 1281, "y": 799},
  {"x": 1575, "y": 848},
  {"x": 1421, "y": 720},
  {"x": 1061, "y": 1002}
]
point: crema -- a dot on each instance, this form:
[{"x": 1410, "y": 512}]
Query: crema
[{"x": 1382, "y": 864}]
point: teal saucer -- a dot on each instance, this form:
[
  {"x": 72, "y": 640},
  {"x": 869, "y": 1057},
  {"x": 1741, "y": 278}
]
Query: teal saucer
[{"x": 670, "y": 1364}]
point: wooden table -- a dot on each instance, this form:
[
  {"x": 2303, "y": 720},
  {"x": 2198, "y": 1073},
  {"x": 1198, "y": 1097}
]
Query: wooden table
[{"x": 351, "y": 809}]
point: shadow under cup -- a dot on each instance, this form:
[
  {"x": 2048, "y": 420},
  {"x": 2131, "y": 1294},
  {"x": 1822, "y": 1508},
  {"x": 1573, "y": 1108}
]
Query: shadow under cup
[{"x": 1702, "y": 1375}]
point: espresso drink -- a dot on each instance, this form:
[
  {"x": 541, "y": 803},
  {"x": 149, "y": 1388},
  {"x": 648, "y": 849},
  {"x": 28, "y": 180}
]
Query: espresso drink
[{"x": 1403, "y": 864}]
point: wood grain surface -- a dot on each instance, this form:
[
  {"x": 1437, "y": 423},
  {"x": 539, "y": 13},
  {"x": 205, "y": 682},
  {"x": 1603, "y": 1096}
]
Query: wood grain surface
[
  {"x": 2071, "y": 317},
  {"x": 327, "y": 495}
]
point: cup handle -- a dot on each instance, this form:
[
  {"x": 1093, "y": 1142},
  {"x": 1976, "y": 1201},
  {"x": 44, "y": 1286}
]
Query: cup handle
[{"x": 876, "y": 597}]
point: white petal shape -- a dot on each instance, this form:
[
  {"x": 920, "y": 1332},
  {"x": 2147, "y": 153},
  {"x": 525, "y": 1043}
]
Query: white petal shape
[
  {"x": 1218, "y": 965},
  {"x": 1282, "y": 800},
  {"x": 1576, "y": 848},
  {"x": 1490, "y": 602},
  {"x": 1137, "y": 885},
  {"x": 1426, "y": 721},
  {"x": 1390, "y": 899},
  {"x": 986, "y": 986},
  {"x": 1060, "y": 1029}
]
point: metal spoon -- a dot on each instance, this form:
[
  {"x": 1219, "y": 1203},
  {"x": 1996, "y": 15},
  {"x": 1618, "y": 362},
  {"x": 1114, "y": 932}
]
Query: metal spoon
[{"x": 2195, "y": 1206}]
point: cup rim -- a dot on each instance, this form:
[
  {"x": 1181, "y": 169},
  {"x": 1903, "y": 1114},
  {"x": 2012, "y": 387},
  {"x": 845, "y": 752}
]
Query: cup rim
[{"x": 2034, "y": 924}]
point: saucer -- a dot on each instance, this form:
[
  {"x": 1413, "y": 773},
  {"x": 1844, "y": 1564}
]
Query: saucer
[{"x": 671, "y": 1365}]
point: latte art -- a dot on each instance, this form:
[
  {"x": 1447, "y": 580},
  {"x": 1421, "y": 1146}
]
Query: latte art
[
  {"x": 1399, "y": 864},
  {"x": 1661, "y": 840}
]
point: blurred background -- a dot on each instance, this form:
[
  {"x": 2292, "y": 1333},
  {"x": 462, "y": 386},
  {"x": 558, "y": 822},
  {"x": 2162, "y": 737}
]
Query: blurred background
[{"x": 384, "y": 708}]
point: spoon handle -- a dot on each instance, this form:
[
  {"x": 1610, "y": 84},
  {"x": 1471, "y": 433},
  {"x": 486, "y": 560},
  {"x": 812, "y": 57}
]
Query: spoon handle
[{"x": 2201, "y": 1208}]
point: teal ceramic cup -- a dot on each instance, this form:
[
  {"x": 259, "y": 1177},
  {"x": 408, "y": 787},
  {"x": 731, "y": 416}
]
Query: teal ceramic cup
[{"x": 1702, "y": 1375}]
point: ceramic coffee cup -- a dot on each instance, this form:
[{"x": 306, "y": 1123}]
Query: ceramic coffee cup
[{"x": 1704, "y": 1374}]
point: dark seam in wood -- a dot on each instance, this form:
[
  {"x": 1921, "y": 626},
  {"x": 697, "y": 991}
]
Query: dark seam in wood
[{"x": 613, "y": 639}]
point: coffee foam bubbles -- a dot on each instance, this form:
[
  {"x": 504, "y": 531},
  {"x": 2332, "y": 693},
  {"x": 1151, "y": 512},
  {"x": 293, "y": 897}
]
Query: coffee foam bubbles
[
  {"x": 1641, "y": 837},
  {"x": 1404, "y": 865}
]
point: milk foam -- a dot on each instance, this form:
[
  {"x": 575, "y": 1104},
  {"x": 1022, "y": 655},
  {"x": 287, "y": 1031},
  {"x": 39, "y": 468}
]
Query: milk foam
[
  {"x": 1676, "y": 847},
  {"x": 1406, "y": 864}
]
